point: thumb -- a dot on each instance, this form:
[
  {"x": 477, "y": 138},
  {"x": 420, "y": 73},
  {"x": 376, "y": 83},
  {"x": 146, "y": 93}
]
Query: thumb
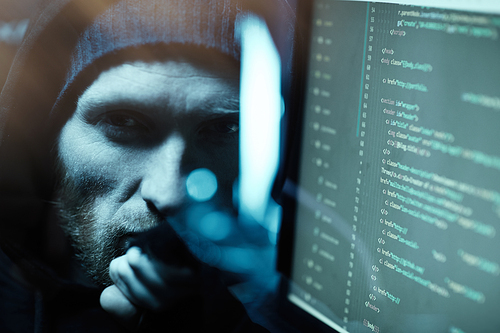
[{"x": 115, "y": 303}]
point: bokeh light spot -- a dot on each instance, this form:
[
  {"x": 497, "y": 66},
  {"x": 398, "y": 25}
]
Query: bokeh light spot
[
  {"x": 215, "y": 226},
  {"x": 201, "y": 184},
  {"x": 239, "y": 259}
]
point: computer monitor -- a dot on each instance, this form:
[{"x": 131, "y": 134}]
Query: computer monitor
[{"x": 392, "y": 181}]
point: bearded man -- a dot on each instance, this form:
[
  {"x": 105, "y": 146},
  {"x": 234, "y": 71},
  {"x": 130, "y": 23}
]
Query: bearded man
[{"x": 108, "y": 108}]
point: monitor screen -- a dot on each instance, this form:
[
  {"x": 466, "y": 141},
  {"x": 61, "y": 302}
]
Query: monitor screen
[{"x": 394, "y": 193}]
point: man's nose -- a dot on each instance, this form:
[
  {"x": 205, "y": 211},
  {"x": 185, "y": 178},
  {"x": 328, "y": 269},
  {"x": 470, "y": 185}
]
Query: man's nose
[{"x": 163, "y": 184}]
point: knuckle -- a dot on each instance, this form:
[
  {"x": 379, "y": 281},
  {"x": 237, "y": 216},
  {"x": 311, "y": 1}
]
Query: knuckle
[{"x": 135, "y": 258}]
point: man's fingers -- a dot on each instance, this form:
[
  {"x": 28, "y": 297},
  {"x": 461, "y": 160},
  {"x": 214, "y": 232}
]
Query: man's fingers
[
  {"x": 150, "y": 283},
  {"x": 130, "y": 285},
  {"x": 148, "y": 271},
  {"x": 114, "y": 302},
  {"x": 155, "y": 273}
]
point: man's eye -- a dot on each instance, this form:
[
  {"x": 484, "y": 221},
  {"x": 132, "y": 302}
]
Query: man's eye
[
  {"x": 226, "y": 127},
  {"x": 220, "y": 131},
  {"x": 222, "y": 127},
  {"x": 122, "y": 121},
  {"x": 124, "y": 126}
]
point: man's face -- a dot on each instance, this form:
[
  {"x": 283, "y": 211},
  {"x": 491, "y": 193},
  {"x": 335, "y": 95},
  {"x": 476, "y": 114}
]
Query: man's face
[{"x": 137, "y": 132}]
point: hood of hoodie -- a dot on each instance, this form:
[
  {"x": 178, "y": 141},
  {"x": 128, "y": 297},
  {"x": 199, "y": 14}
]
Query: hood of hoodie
[{"x": 62, "y": 41}]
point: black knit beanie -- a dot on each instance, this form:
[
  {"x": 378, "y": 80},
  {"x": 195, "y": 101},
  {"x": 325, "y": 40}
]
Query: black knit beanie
[{"x": 136, "y": 23}]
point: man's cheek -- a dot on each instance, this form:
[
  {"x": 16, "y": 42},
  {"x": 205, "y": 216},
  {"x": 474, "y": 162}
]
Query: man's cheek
[
  {"x": 88, "y": 154},
  {"x": 105, "y": 175}
]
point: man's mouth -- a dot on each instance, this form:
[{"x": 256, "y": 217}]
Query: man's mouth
[{"x": 125, "y": 241}]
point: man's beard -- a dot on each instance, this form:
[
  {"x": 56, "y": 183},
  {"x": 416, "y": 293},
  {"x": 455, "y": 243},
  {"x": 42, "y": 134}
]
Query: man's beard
[{"x": 96, "y": 242}]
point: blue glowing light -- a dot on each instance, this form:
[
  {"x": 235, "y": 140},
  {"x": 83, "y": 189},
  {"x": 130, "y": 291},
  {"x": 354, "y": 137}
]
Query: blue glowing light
[
  {"x": 215, "y": 226},
  {"x": 261, "y": 107},
  {"x": 201, "y": 184}
]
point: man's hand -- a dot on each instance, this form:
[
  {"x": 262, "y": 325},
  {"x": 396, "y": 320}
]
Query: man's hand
[{"x": 145, "y": 283}]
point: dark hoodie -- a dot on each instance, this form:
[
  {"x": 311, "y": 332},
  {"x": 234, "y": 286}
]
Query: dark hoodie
[{"x": 35, "y": 294}]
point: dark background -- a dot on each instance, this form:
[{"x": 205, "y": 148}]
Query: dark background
[{"x": 13, "y": 21}]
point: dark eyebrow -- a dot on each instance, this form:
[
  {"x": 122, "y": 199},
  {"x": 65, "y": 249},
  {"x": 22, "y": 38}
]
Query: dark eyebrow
[
  {"x": 222, "y": 104},
  {"x": 212, "y": 108}
]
